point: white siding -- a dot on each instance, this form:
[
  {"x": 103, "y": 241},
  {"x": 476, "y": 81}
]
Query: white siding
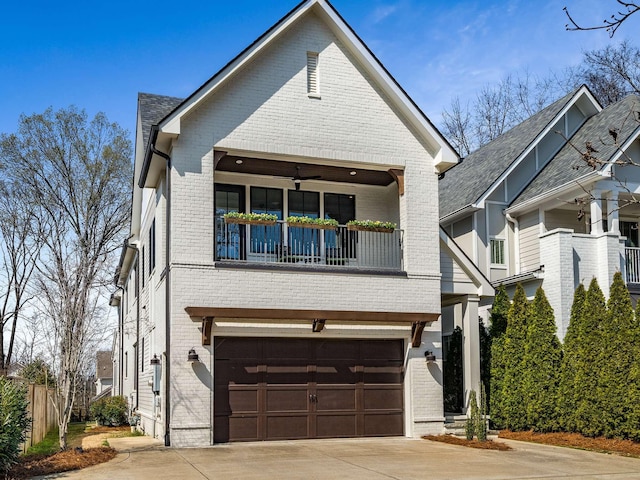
[{"x": 529, "y": 242}]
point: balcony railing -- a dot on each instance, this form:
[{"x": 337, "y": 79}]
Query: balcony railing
[
  {"x": 632, "y": 264},
  {"x": 285, "y": 244}
]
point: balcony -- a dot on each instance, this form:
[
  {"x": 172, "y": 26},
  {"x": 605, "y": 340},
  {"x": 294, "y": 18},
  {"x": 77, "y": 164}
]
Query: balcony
[
  {"x": 632, "y": 264},
  {"x": 285, "y": 245}
]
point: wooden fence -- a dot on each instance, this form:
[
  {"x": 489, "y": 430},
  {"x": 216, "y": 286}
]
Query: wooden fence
[{"x": 41, "y": 412}]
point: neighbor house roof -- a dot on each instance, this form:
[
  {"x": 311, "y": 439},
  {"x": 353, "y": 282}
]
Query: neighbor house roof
[
  {"x": 568, "y": 165},
  {"x": 154, "y": 108},
  {"x": 465, "y": 183},
  {"x": 104, "y": 365}
]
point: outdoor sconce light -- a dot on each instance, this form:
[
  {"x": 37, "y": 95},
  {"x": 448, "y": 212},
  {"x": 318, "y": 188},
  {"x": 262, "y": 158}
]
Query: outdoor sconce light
[
  {"x": 157, "y": 370},
  {"x": 429, "y": 356},
  {"x": 193, "y": 356}
]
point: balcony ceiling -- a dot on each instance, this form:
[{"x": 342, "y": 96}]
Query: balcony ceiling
[{"x": 277, "y": 168}]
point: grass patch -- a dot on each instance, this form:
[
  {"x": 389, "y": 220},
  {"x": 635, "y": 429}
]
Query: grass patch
[{"x": 50, "y": 444}]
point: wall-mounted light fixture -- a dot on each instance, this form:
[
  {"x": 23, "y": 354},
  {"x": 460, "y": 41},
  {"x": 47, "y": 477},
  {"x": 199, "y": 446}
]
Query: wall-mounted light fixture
[
  {"x": 193, "y": 356},
  {"x": 429, "y": 356},
  {"x": 156, "y": 373}
]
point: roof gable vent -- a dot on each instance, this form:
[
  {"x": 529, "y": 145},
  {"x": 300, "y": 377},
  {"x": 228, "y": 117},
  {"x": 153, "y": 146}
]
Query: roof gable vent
[{"x": 312, "y": 75}]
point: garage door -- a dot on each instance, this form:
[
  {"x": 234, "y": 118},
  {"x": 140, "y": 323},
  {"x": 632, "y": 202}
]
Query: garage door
[{"x": 283, "y": 388}]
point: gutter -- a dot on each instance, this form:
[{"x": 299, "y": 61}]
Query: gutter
[{"x": 152, "y": 150}]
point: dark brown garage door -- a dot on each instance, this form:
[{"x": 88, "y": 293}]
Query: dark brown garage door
[{"x": 283, "y": 388}]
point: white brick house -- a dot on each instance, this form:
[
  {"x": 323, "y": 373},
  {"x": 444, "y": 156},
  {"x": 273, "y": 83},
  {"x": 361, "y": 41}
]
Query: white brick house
[
  {"x": 298, "y": 333},
  {"x": 527, "y": 208}
]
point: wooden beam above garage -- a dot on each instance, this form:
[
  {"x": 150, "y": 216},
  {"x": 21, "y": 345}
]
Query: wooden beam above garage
[{"x": 198, "y": 313}]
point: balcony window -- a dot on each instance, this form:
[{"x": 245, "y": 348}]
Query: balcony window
[
  {"x": 266, "y": 239},
  {"x": 304, "y": 241},
  {"x": 229, "y": 238}
]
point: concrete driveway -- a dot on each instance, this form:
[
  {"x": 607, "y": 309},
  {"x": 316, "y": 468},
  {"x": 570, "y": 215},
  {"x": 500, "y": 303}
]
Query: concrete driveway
[{"x": 367, "y": 459}]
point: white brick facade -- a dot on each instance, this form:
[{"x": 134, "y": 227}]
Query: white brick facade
[{"x": 265, "y": 112}]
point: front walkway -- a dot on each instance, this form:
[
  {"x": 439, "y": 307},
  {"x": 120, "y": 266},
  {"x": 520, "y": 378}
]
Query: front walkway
[{"x": 365, "y": 459}]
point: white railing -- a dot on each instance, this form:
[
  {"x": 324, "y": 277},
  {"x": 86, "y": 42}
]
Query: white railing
[
  {"x": 632, "y": 264},
  {"x": 285, "y": 244}
]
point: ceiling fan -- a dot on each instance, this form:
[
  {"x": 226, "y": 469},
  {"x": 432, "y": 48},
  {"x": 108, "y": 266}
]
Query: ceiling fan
[{"x": 297, "y": 178}]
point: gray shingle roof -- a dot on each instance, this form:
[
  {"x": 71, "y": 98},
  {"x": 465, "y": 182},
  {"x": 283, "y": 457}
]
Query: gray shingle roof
[
  {"x": 466, "y": 182},
  {"x": 568, "y": 165},
  {"x": 154, "y": 108}
]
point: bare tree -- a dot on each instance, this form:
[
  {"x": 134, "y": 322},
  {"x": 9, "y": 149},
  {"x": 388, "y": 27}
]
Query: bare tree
[
  {"x": 611, "y": 73},
  {"x": 19, "y": 250},
  {"x": 77, "y": 173},
  {"x": 612, "y": 24},
  {"x": 495, "y": 110},
  {"x": 457, "y": 127}
]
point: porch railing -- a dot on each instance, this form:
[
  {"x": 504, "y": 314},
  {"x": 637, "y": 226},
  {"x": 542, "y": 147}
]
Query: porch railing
[
  {"x": 632, "y": 264},
  {"x": 285, "y": 244}
]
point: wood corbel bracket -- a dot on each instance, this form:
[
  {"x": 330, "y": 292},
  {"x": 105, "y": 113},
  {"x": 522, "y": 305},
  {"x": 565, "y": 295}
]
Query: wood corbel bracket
[
  {"x": 318, "y": 324},
  {"x": 416, "y": 333},
  {"x": 207, "y": 323},
  {"x": 217, "y": 156},
  {"x": 398, "y": 176}
]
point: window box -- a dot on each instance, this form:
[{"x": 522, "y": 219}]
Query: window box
[
  {"x": 371, "y": 226},
  {"x": 250, "y": 218},
  {"x": 317, "y": 223}
]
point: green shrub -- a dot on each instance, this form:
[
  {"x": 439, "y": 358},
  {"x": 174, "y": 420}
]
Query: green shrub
[
  {"x": 481, "y": 421},
  {"x": 14, "y": 421},
  {"x": 513, "y": 404},
  {"x": 542, "y": 361},
  {"x": 111, "y": 411},
  {"x": 470, "y": 428}
]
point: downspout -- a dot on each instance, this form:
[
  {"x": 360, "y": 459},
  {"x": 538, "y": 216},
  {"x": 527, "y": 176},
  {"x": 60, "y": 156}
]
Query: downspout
[
  {"x": 120, "y": 341},
  {"x": 136, "y": 377},
  {"x": 167, "y": 273},
  {"x": 516, "y": 239}
]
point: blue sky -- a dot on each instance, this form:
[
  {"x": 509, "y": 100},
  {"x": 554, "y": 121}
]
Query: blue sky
[{"x": 99, "y": 55}]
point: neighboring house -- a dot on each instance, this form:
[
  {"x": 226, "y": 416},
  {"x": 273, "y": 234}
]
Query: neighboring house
[
  {"x": 250, "y": 332},
  {"x": 527, "y": 208},
  {"x": 104, "y": 371}
]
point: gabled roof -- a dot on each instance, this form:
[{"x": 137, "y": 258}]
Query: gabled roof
[
  {"x": 466, "y": 183},
  {"x": 444, "y": 154},
  {"x": 568, "y": 166},
  {"x": 153, "y": 108}
]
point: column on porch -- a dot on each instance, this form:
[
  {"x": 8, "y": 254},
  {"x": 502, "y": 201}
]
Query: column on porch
[
  {"x": 613, "y": 213},
  {"x": 470, "y": 348},
  {"x": 596, "y": 213}
]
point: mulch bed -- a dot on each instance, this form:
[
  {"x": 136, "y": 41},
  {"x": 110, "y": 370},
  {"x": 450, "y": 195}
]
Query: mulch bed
[
  {"x": 453, "y": 440},
  {"x": 73, "y": 459},
  {"x": 575, "y": 440}
]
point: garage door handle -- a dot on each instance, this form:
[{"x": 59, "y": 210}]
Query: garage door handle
[{"x": 313, "y": 398}]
